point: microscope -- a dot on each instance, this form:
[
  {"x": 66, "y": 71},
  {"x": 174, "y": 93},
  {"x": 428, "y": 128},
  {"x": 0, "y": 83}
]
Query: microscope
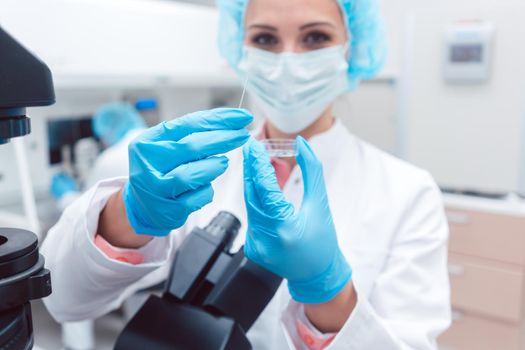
[{"x": 25, "y": 81}]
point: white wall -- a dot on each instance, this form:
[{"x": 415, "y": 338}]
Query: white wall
[
  {"x": 394, "y": 14},
  {"x": 481, "y": 131},
  {"x": 97, "y": 39},
  {"x": 470, "y": 136}
]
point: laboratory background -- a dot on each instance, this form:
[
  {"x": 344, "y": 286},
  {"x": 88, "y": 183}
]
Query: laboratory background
[{"x": 450, "y": 99}]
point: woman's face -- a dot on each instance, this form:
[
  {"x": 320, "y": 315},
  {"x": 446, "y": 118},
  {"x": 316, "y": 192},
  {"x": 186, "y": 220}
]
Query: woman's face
[{"x": 294, "y": 25}]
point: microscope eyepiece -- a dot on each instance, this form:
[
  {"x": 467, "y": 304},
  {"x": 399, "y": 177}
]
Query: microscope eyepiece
[
  {"x": 13, "y": 126},
  {"x": 223, "y": 223}
]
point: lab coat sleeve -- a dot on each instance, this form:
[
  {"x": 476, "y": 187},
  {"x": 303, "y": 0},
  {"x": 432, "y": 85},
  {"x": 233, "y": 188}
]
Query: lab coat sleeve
[
  {"x": 409, "y": 304},
  {"x": 67, "y": 199},
  {"x": 86, "y": 283}
]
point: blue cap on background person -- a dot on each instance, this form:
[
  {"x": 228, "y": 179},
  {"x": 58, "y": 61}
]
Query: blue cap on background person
[
  {"x": 113, "y": 121},
  {"x": 363, "y": 23}
]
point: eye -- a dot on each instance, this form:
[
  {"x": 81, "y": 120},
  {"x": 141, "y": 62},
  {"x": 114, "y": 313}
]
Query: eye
[
  {"x": 264, "y": 40},
  {"x": 316, "y": 39}
]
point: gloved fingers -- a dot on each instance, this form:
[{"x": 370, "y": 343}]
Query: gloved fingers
[
  {"x": 311, "y": 168},
  {"x": 164, "y": 156},
  {"x": 166, "y": 215},
  {"x": 215, "y": 119},
  {"x": 196, "y": 199},
  {"x": 209, "y": 143},
  {"x": 191, "y": 176},
  {"x": 264, "y": 181},
  {"x": 251, "y": 198},
  {"x": 172, "y": 213}
]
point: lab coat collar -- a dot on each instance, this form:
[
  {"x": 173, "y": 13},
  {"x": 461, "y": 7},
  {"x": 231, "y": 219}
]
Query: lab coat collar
[{"x": 328, "y": 145}]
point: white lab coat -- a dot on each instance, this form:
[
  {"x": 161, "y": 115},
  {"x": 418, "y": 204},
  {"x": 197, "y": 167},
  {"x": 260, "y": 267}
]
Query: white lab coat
[{"x": 390, "y": 224}]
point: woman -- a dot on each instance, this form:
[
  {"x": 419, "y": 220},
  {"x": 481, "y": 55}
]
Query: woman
[{"x": 363, "y": 251}]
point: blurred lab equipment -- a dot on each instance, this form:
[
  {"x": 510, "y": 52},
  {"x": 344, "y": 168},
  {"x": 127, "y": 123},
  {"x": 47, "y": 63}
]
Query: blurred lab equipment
[
  {"x": 468, "y": 53},
  {"x": 211, "y": 298},
  {"x": 26, "y": 81},
  {"x": 67, "y": 136},
  {"x": 73, "y": 150},
  {"x": 86, "y": 152}
]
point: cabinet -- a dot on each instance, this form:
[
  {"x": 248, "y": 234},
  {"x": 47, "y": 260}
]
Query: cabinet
[{"x": 487, "y": 275}]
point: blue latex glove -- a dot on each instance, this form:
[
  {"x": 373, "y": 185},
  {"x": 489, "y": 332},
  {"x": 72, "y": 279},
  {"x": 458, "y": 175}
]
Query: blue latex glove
[
  {"x": 301, "y": 245},
  {"x": 62, "y": 184},
  {"x": 173, "y": 164}
]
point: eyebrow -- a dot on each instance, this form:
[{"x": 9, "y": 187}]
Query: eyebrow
[
  {"x": 262, "y": 26},
  {"x": 314, "y": 24}
]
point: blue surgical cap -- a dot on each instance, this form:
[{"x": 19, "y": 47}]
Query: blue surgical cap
[
  {"x": 113, "y": 121},
  {"x": 363, "y": 23}
]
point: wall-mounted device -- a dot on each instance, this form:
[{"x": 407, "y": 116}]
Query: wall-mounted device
[{"x": 468, "y": 51}]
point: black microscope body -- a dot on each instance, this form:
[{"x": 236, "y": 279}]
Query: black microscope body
[{"x": 25, "y": 81}]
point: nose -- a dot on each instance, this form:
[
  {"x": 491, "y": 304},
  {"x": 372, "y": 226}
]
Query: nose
[{"x": 292, "y": 46}]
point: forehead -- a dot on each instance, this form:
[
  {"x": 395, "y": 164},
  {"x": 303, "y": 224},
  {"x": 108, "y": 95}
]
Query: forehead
[{"x": 276, "y": 12}]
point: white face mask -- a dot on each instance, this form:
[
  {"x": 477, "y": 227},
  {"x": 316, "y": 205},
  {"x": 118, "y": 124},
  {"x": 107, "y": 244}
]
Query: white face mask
[{"x": 294, "y": 89}]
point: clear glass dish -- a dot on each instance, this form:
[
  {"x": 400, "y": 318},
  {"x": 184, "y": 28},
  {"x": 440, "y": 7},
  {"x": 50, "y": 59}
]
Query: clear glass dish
[{"x": 280, "y": 148}]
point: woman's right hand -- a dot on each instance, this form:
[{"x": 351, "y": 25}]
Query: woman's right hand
[{"x": 173, "y": 164}]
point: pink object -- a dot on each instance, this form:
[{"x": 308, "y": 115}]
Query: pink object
[
  {"x": 282, "y": 171},
  {"x": 310, "y": 339},
  {"x": 128, "y": 256}
]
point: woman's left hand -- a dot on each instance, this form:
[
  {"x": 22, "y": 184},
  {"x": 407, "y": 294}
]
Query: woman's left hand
[{"x": 300, "y": 246}]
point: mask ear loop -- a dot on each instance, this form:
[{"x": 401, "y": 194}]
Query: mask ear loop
[
  {"x": 346, "y": 49},
  {"x": 243, "y": 91}
]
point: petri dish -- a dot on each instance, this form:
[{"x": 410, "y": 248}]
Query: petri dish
[{"x": 280, "y": 148}]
